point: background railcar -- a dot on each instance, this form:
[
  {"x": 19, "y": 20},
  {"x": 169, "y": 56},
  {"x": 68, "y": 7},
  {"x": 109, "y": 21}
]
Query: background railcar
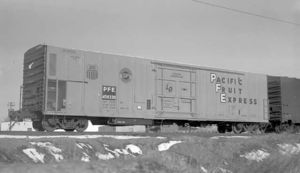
[
  {"x": 284, "y": 101},
  {"x": 64, "y": 88}
]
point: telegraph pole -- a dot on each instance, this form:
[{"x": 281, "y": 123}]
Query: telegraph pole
[
  {"x": 20, "y": 101},
  {"x": 10, "y": 106}
]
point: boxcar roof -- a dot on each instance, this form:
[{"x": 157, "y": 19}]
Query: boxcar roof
[{"x": 161, "y": 62}]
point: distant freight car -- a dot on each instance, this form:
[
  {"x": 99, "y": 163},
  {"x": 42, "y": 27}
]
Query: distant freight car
[
  {"x": 284, "y": 101},
  {"x": 64, "y": 88}
]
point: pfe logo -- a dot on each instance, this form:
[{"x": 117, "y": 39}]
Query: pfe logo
[{"x": 109, "y": 92}]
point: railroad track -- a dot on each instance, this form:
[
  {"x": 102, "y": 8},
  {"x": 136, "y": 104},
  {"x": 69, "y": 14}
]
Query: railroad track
[{"x": 22, "y": 134}]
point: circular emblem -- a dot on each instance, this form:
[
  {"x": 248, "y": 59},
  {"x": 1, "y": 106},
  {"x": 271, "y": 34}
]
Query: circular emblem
[{"x": 125, "y": 75}]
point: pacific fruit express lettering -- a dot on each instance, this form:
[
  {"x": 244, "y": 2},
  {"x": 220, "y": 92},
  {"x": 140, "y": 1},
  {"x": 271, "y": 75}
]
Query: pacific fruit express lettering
[{"x": 230, "y": 89}]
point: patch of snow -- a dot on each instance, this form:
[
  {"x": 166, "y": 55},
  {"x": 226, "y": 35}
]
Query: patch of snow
[
  {"x": 203, "y": 169},
  {"x": 60, "y": 130},
  {"x": 166, "y": 146},
  {"x": 122, "y": 151},
  {"x": 83, "y": 145},
  {"x": 112, "y": 151},
  {"x": 134, "y": 149},
  {"x": 54, "y": 151},
  {"x": 85, "y": 157},
  {"x": 92, "y": 128},
  {"x": 229, "y": 137},
  {"x": 34, "y": 155},
  {"x": 258, "y": 155},
  {"x": 85, "y": 148},
  {"x": 118, "y": 152},
  {"x": 286, "y": 149},
  {"x": 104, "y": 156},
  {"x": 122, "y": 137},
  {"x": 79, "y": 145}
]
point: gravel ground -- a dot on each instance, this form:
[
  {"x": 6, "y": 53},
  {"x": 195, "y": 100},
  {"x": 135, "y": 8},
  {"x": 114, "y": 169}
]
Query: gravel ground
[{"x": 207, "y": 153}]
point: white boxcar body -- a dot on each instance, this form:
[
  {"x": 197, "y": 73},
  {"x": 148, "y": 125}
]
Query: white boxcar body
[{"x": 85, "y": 83}]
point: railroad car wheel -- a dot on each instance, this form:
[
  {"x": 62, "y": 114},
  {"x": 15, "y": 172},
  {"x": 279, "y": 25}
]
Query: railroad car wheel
[
  {"x": 47, "y": 126},
  {"x": 238, "y": 128},
  {"x": 82, "y": 125}
]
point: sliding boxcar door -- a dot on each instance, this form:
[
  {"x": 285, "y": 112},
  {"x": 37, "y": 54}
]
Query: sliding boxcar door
[{"x": 176, "y": 90}]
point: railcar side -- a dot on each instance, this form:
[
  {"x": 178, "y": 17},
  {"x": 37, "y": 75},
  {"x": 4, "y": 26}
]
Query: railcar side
[{"x": 64, "y": 88}]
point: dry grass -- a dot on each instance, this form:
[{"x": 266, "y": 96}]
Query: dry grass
[{"x": 195, "y": 154}]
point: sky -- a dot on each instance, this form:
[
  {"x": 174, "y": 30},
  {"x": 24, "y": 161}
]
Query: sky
[{"x": 259, "y": 36}]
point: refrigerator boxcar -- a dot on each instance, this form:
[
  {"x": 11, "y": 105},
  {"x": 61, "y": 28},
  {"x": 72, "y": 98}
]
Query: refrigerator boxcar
[{"x": 64, "y": 88}]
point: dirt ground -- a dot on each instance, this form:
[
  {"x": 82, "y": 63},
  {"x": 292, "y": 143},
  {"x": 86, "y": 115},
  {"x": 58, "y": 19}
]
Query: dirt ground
[{"x": 142, "y": 154}]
